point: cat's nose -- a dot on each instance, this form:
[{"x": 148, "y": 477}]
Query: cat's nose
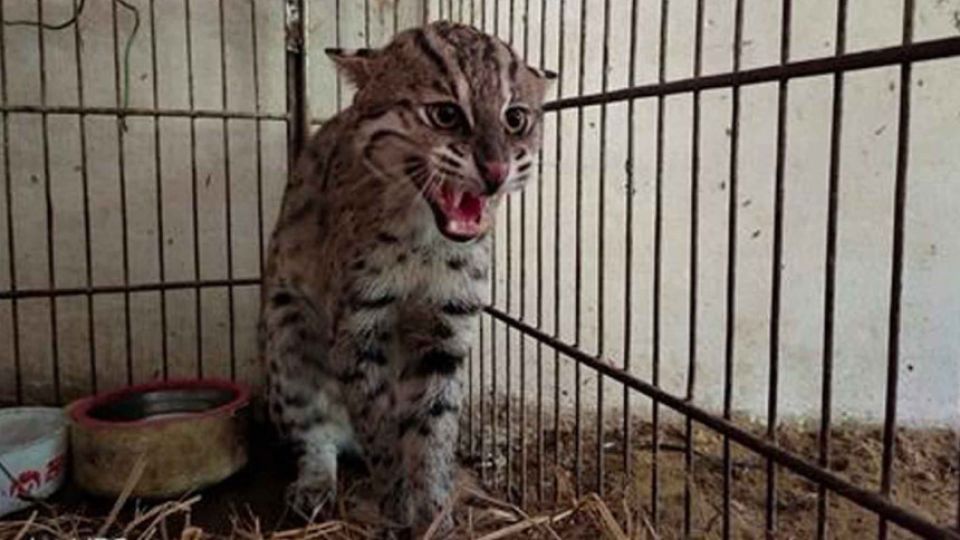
[{"x": 494, "y": 173}]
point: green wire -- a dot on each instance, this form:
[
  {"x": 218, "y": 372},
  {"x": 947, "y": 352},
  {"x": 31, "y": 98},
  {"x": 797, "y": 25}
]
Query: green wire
[
  {"x": 126, "y": 52},
  {"x": 126, "y": 57}
]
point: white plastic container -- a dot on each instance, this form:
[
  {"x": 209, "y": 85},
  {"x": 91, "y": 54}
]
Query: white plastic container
[{"x": 33, "y": 450}]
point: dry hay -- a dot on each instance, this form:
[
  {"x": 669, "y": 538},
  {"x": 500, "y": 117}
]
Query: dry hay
[
  {"x": 925, "y": 481},
  {"x": 477, "y": 516}
]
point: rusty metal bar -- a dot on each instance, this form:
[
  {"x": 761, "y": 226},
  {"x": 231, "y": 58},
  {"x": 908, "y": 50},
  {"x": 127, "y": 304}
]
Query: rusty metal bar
[
  {"x": 508, "y": 372},
  {"x": 578, "y": 275},
  {"x": 601, "y": 203},
  {"x": 482, "y": 445},
  {"x": 85, "y": 181},
  {"x": 541, "y": 471},
  {"x": 48, "y": 208},
  {"x": 869, "y": 500},
  {"x": 195, "y": 221},
  {"x": 258, "y": 127},
  {"x": 830, "y": 279},
  {"x": 138, "y": 111},
  {"x": 158, "y": 171},
  {"x": 889, "y": 56},
  {"x": 628, "y": 226},
  {"x": 523, "y": 290},
  {"x": 556, "y": 253},
  {"x": 770, "y": 503},
  {"x": 225, "y": 103},
  {"x": 896, "y": 271},
  {"x": 122, "y": 177},
  {"x": 731, "y": 300},
  {"x": 657, "y": 250},
  {"x": 298, "y": 110},
  {"x": 694, "y": 275},
  {"x": 494, "y": 413},
  {"x": 20, "y": 294}
]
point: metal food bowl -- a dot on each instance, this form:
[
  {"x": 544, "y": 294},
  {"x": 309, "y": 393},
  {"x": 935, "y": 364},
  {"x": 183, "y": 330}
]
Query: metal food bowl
[
  {"x": 167, "y": 437},
  {"x": 33, "y": 450}
]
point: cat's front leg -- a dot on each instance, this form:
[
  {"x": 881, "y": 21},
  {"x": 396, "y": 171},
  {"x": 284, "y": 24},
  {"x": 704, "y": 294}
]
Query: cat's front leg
[{"x": 427, "y": 443}]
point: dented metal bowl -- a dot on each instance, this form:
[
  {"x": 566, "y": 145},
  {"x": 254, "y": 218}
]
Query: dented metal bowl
[
  {"x": 33, "y": 449},
  {"x": 184, "y": 435}
]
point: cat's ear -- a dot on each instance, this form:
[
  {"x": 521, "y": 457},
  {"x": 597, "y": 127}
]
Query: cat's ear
[
  {"x": 356, "y": 64},
  {"x": 544, "y": 74}
]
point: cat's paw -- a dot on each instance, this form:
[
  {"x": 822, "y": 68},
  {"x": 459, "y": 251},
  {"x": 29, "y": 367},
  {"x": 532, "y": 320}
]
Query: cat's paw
[{"x": 310, "y": 498}]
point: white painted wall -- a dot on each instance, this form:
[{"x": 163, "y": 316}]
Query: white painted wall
[
  {"x": 929, "y": 391},
  {"x": 929, "y": 388}
]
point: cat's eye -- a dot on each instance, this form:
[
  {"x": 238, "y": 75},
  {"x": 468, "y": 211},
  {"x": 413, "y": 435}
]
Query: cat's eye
[
  {"x": 516, "y": 119},
  {"x": 445, "y": 115}
]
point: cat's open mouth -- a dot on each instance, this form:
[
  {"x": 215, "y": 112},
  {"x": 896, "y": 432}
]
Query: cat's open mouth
[{"x": 461, "y": 214}]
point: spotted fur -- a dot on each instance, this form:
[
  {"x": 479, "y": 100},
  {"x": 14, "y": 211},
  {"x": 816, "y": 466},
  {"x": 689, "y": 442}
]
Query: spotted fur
[{"x": 368, "y": 303}]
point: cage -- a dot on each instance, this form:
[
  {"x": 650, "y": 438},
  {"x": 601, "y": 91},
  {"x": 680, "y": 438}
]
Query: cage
[{"x": 728, "y": 306}]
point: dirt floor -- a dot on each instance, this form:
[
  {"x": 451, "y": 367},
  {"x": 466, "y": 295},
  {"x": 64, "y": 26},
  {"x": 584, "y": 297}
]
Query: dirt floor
[
  {"x": 926, "y": 479},
  {"x": 250, "y": 504}
]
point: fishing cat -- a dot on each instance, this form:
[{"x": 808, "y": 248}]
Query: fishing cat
[{"x": 379, "y": 260}]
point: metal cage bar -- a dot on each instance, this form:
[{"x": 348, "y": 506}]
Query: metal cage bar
[
  {"x": 694, "y": 274},
  {"x": 771, "y": 497},
  {"x": 494, "y": 403}
]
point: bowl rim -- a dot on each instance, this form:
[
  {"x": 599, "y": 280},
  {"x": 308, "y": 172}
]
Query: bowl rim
[
  {"x": 59, "y": 432},
  {"x": 79, "y": 410}
]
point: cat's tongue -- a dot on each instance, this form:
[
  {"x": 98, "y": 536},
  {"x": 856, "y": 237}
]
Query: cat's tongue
[{"x": 463, "y": 210}]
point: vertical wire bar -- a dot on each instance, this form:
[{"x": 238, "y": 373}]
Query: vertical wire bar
[
  {"x": 471, "y": 444},
  {"x": 657, "y": 251},
  {"x": 366, "y": 23},
  {"x": 158, "y": 171},
  {"x": 770, "y": 505},
  {"x": 731, "y": 304},
  {"x": 628, "y": 279},
  {"x": 523, "y": 296},
  {"x": 896, "y": 277},
  {"x": 506, "y": 329},
  {"x": 601, "y": 179},
  {"x": 493, "y": 324},
  {"x": 336, "y": 38},
  {"x": 556, "y": 254},
  {"x": 121, "y": 165},
  {"x": 694, "y": 275},
  {"x": 396, "y": 18},
  {"x": 193, "y": 191},
  {"x": 482, "y": 411},
  {"x": 11, "y": 241},
  {"x": 826, "y": 396},
  {"x": 578, "y": 277},
  {"x": 258, "y": 128},
  {"x": 85, "y": 182},
  {"x": 231, "y": 328},
  {"x": 483, "y": 391},
  {"x": 541, "y": 479},
  {"x": 50, "y": 222},
  {"x": 298, "y": 109},
  {"x": 469, "y": 441}
]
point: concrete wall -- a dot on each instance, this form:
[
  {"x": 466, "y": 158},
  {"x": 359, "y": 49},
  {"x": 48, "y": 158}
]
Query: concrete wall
[
  {"x": 153, "y": 183},
  {"x": 930, "y": 369},
  {"x": 929, "y": 388}
]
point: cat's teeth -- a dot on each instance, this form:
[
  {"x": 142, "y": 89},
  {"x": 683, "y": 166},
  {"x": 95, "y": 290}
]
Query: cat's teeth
[{"x": 457, "y": 197}]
